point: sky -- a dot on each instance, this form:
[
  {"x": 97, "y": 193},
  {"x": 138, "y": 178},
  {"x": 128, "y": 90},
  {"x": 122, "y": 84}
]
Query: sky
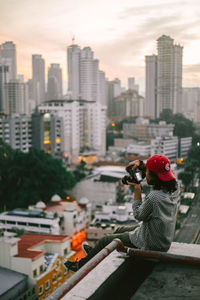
[{"x": 120, "y": 32}]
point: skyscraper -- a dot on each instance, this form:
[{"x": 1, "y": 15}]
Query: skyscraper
[
  {"x": 8, "y": 69},
  {"x": 85, "y": 80},
  {"x": 38, "y": 77},
  {"x": 8, "y": 58},
  {"x": 54, "y": 87},
  {"x": 73, "y": 71},
  {"x": 164, "y": 78},
  {"x": 4, "y": 78},
  {"x": 16, "y": 97}
]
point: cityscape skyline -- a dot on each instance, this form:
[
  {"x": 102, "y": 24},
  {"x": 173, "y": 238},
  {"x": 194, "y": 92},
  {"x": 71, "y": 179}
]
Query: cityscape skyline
[{"x": 121, "y": 33}]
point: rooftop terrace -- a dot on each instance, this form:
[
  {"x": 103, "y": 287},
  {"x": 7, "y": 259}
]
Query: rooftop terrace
[{"x": 143, "y": 275}]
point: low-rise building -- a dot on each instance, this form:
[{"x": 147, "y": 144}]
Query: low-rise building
[
  {"x": 14, "y": 285},
  {"x": 109, "y": 218},
  {"x": 39, "y": 256},
  {"x": 31, "y": 221}
]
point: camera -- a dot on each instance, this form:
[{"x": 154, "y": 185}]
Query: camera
[{"x": 136, "y": 175}]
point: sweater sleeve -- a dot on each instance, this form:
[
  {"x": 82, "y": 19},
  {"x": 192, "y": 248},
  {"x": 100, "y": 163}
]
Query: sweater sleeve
[{"x": 142, "y": 210}]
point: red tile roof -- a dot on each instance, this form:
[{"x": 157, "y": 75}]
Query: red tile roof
[{"x": 29, "y": 241}]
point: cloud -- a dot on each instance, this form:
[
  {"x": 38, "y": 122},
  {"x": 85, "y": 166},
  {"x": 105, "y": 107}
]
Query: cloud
[
  {"x": 149, "y": 9},
  {"x": 191, "y": 68}
]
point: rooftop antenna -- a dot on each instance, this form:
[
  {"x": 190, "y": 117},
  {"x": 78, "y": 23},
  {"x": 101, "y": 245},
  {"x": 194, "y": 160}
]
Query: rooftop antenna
[{"x": 73, "y": 39}]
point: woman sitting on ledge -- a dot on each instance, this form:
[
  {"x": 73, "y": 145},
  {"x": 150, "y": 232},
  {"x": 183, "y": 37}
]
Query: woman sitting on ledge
[{"x": 157, "y": 213}]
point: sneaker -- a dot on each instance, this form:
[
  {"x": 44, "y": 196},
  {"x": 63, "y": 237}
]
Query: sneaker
[
  {"x": 71, "y": 266},
  {"x": 86, "y": 247}
]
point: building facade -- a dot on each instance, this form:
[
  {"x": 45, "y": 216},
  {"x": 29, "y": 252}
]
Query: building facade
[
  {"x": 54, "y": 85},
  {"x": 16, "y": 97},
  {"x": 16, "y": 131},
  {"x": 85, "y": 80},
  {"x": 38, "y": 78},
  {"x": 164, "y": 78},
  {"x": 84, "y": 125}
]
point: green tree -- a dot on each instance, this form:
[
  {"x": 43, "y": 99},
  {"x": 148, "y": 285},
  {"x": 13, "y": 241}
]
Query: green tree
[
  {"x": 183, "y": 126},
  {"x": 27, "y": 178}
]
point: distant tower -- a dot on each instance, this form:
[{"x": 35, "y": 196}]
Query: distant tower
[
  {"x": 73, "y": 71},
  {"x": 8, "y": 58},
  {"x": 38, "y": 78},
  {"x": 131, "y": 83},
  {"x": 164, "y": 78},
  {"x": 54, "y": 87},
  {"x": 85, "y": 80}
]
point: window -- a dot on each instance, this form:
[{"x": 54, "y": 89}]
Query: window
[
  {"x": 34, "y": 273},
  {"x": 54, "y": 278},
  {"x": 11, "y": 222},
  {"x": 47, "y": 285},
  {"x": 40, "y": 290},
  {"x": 22, "y": 223},
  {"x": 41, "y": 269},
  {"x": 33, "y": 224},
  {"x": 65, "y": 251},
  {"x": 45, "y": 226}
]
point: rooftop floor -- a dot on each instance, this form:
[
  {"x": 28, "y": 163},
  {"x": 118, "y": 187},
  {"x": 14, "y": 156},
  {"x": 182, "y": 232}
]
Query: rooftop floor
[{"x": 122, "y": 277}]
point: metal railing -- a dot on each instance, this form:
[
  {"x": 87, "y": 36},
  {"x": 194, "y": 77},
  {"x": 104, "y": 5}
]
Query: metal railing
[{"x": 80, "y": 274}]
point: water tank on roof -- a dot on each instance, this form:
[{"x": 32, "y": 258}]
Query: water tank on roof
[
  {"x": 55, "y": 198},
  {"x": 40, "y": 205},
  {"x": 83, "y": 201}
]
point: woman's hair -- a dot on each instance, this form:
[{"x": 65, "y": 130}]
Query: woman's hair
[{"x": 168, "y": 186}]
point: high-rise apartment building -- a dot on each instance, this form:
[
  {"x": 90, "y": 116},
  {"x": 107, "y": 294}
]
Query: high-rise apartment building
[
  {"x": 47, "y": 133},
  {"x": 84, "y": 125},
  {"x": 164, "y": 78},
  {"x": 8, "y": 69},
  {"x": 38, "y": 78},
  {"x": 15, "y": 97},
  {"x": 16, "y": 131},
  {"x": 4, "y": 78},
  {"x": 8, "y": 58},
  {"x": 85, "y": 80},
  {"x": 113, "y": 89},
  {"x": 54, "y": 87},
  {"x": 132, "y": 85},
  {"x": 73, "y": 70}
]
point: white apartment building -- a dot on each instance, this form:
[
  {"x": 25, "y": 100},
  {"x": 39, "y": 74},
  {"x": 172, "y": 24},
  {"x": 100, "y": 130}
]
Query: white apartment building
[
  {"x": 84, "y": 125},
  {"x": 16, "y": 97},
  {"x": 140, "y": 148},
  {"x": 164, "y": 78},
  {"x": 146, "y": 130},
  {"x": 184, "y": 146},
  {"x": 16, "y": 130},
  {"x": 85, "y": 80},
  {"x": 74, "y": 216},
  {"x": 54, "y": 85},
  {"x": 31, "y": 221},
  {"x": 167, "y": 146}
]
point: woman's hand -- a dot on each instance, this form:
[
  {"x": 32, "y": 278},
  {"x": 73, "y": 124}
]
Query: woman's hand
[
  {"x": 137, "y": 190},
  {"x": 134, "y": 164}
]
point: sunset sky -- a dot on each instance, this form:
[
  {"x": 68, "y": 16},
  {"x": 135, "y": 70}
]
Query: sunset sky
[{"x": 120, "y": 32}]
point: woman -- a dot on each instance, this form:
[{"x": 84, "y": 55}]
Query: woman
[{"x": 157, "y": 212}]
